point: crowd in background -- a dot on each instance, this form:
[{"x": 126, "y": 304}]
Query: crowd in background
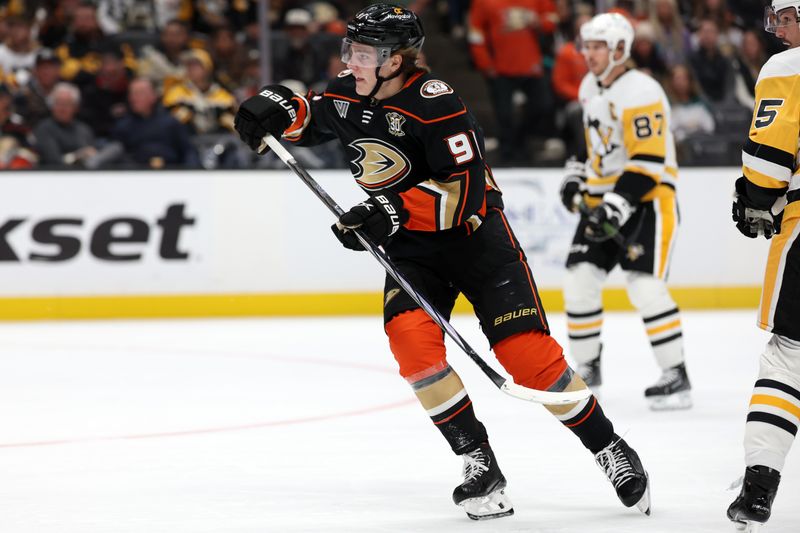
[{"x": 156, "y": 83}]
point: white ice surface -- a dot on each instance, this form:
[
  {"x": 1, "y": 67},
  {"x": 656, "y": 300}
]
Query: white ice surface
[{"x": 245, "y": 426}]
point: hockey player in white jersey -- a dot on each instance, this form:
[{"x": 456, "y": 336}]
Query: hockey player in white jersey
[
  {"x": 625, "y": 190},
  {"x": 767, "y": 202}
]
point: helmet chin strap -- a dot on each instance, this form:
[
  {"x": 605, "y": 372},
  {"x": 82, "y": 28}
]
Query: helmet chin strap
[
  {"x": 379, "y": 80},
  {"x": 612, "y": 64}
]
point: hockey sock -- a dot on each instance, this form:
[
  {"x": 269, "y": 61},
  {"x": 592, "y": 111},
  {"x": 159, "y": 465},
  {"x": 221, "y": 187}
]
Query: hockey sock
[
  {"x": 774, "y": 406},
  {"x": 583, "y": 285},
  {"x": 666, "y": 337},
  {"x": 418, "y": 346},
  {"x": 662, "y": 320},
  {"x": 586, "y": 418},
  {"x": 583, "y": 331},
  {"x": 442, "y": 395}
]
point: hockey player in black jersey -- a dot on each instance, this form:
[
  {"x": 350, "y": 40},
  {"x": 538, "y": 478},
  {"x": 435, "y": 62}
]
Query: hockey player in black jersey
[{"x": 433, "y": 205}]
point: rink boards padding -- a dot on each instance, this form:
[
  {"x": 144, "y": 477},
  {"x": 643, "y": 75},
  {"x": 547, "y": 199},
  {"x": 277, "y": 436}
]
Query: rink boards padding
[{"x": 216, "y": 243}]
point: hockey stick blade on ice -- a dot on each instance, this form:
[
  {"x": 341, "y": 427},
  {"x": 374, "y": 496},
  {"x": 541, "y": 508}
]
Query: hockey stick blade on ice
[{"x": 502, "y": 383}]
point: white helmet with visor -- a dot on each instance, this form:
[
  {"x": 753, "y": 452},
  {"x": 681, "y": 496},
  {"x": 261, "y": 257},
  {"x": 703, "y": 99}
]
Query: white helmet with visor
[
  {"x": 613, "y": 29},
  {"x": 780, "y": 14}
]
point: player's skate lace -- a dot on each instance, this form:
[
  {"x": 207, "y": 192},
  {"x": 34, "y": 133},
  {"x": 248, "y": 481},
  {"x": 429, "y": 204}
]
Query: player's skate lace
[
  {"x": 615, "y": 464},
  {"x": 474, "y": 465},
  {"x": 668, "y": 377}
]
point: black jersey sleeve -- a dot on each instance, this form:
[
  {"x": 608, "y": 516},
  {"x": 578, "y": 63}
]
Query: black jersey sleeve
[{"x": 456, "y": 188}]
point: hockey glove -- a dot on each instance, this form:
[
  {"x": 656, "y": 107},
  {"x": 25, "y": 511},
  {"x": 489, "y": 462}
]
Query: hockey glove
[
  {"x": 270, "y": 111},
  {"x": 605, "y": 220},
  {"x": 751, "y": 221},
  {"x": 379, "y": 217},
  {"x": 574, "y": 184}
]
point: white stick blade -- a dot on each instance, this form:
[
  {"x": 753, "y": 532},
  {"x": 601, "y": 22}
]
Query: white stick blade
[{"x": 544, "y": 397}]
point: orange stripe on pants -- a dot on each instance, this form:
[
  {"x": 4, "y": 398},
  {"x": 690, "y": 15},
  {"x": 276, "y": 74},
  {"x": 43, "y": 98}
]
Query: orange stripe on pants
[{"x": 416, "y": 342}]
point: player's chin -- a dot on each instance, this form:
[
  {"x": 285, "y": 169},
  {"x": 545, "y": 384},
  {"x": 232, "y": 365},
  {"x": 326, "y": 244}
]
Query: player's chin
[{"x": 362, "y": 87}]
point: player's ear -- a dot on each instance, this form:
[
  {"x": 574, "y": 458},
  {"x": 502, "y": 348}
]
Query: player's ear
[
  {"x": 619, "y": 52},
  {"x": 395, "y": 62}
]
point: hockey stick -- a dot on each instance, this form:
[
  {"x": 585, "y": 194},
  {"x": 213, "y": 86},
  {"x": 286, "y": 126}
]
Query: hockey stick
[{"x": 510, "y": 388}]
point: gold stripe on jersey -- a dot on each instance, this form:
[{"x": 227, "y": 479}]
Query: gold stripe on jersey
[
  {"x": 776, "y": 260},
  {"x": 449, "y": 195},
  {"x": 645, "y": 131},
  {"x": 762, "y": 180}
]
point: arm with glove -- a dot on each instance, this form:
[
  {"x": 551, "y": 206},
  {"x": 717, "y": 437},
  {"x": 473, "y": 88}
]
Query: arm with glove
[{"x": 757, "y": 210}]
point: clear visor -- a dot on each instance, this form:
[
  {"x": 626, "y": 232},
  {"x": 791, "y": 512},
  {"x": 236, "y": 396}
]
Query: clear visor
[
  {"x": 364, "y": 55},
  {"x": 780, "y": 19}
]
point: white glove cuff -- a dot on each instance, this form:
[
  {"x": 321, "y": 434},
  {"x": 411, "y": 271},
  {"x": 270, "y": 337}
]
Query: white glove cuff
[{"x": 619, "y": 204}]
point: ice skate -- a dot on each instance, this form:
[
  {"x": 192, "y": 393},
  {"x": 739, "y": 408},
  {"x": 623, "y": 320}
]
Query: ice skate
[
  {"x": 671, "y": 391},
  {"x": 624, "y": 470},
  {"x": 591, "y": 374},
  {"x": 752, "y": 507},
  {"x": 482, "y": 494}
]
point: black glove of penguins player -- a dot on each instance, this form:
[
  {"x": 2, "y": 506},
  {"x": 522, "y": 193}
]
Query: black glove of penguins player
[
  {"x": 379, "y": 217},
  {"x": 270, "y": 111}
]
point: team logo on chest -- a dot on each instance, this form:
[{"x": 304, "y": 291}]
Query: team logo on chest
[
  {"x": 341, "y": 107},
  {"x": 378, "y": 164},
  {"x": 396, "y": 122}
]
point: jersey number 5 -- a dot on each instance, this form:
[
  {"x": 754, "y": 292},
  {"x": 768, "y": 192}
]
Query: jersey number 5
[{"x": 767, "y": 111}]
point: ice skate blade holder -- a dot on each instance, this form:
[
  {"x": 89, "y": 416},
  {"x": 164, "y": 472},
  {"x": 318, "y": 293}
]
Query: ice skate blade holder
[
  {"x": 748, "y": 526},
  {"x": 494, "y": 505},
  {"x": 671, "y": 402}
]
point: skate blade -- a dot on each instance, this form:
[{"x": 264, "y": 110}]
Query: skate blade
[
  {"x": 671, "y": 402},
  {"x": 747, "y": 526},
  {"x": 495, "y": 505},
  {"x": 644, "y": 502}
]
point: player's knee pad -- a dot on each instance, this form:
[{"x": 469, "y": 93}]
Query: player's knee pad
[
  {"x": 533, "y": 358},
  {"x": 649, "y": 294},
  {"x": 780, "y": 361},
  {"x": 416, "y": 342},
  {"x": 583, "y": 286}
]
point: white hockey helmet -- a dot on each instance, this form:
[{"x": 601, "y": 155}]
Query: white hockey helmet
[
  {"x": 774, "y": 19},
  {"x": 613, "y": 29}
]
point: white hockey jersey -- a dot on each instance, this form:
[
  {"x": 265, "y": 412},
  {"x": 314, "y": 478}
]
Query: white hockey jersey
[{"x": 627, "y": 130}]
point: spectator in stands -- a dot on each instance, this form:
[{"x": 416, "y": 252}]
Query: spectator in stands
[
  {"x": 690, "y": 113},
  {"x": 729, "y": 35},
  {"x": 18, "y": 52},
  {"x": 31, "y": 100},
  {"x": 80, "y": 51},
  {"x": 62, "y": 140},
  {"x": 569, "y": 70},
  {"x": 115, "y": 16},
  {"x": 504, "y": 42},
  {"x": 251, "y": 76},
  {"x": 671, "y": 34},
  {"x": 199, "y": 101},
  {"x": 712, "y": 69},
  {"x": 106, "y": 94},
  {"x": 162, "y": 63},
  {"x": 645, "y": 52},
  {"x": 15, "y": 136},
  {"x": 229, "y": 57},
  {"x": 298, "y": 54},
  {"x": 150, "y": 135},
  {"x": 747, "y": 64}
]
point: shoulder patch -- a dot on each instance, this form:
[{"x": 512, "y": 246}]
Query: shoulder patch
[
  {"x": 434, "y": 88},
  {"x": 344, "y": 73}
]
